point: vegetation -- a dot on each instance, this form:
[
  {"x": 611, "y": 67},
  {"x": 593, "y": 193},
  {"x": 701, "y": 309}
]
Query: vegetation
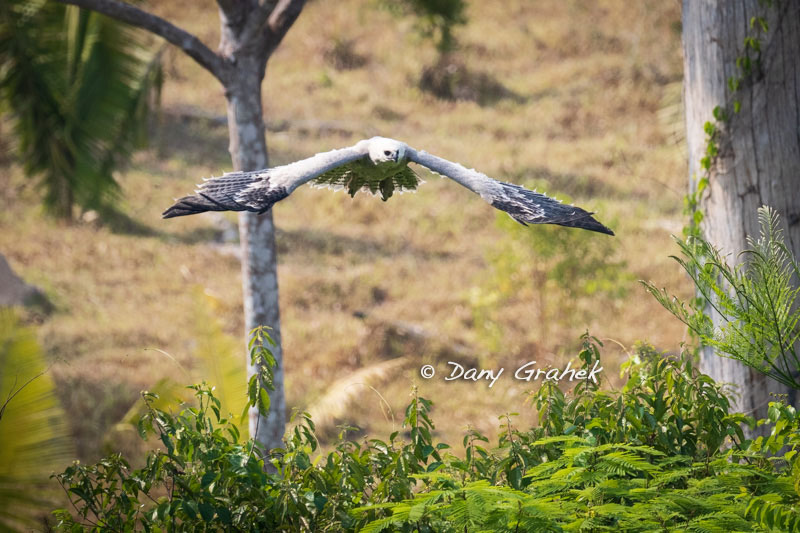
[
  {"x": 33, "y": 429},
  {"x": 435, "y": 19},
  {"x": 218, "y": 362},
  {"x": 76, "y": 86},
  {"x": 757, "y": 300},
  {"x": 662, "y": 454},
  {"x": 655, "y": 449},
  {"x": 558, "y": 277}
]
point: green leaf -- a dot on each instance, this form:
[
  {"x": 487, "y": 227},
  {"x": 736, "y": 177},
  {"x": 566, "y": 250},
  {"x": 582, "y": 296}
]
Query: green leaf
[
  {"x": 190, "y": 508},
  {"x": 206, "y": 511},
  {"x": 264, "y": 401},
  {"x": 209, "y": 478}
]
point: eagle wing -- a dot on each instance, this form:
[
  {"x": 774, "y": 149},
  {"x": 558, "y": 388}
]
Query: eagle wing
[
  {"x": 524, "y": 206},
  {"x": 257, "y": 191}
]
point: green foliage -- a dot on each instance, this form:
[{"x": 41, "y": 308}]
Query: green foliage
[
  {"x": 662, "y": 454},
  {"x": 34, "y": 440},
  {"x": 756, "y": 300},
  {"x": 261, "y": 382},
  {"x": 205, "y": 478},
  {"x": 555, "y": 270},
  {"x": 76, "y": 86},
  {"x": 436, "y": 19}
]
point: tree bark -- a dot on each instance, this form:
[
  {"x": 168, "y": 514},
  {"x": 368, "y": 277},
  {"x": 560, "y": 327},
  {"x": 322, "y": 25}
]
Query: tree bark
[
  {"x": 248, "y": 149},
  {"x": 759, "y": 159}
]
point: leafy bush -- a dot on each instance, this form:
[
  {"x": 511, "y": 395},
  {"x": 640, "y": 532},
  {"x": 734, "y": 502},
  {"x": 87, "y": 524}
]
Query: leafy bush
[
  {"x": 435, "y": 20},
  {"x": 662, "y": 454}
]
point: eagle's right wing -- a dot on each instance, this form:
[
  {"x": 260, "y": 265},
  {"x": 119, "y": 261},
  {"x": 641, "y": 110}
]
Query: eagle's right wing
[
  {"x": 258, "y": 190},
  {"x": 523, "y": 205}
]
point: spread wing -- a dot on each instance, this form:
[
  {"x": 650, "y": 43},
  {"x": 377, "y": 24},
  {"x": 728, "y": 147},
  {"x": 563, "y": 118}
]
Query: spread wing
[
  {"x": 258, "y": 190},
  {"x": 524, "y": 206}
]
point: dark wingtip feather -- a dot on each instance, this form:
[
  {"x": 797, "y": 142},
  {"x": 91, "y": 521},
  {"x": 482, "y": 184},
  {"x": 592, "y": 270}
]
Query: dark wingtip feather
[
  {"x": 190, "y": 205},
  {"x": 588, "y": 223},
  {"x": 530, "y": 207}
]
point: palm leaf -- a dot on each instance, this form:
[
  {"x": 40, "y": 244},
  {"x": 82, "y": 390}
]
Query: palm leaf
[
  {"x": 221, "y": 358},
  {"x": 29, "y": 456},
  {"x": 77, "y": 86}
]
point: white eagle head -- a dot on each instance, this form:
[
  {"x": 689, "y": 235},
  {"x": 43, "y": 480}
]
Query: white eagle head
[{"x": 383, "y": 150}]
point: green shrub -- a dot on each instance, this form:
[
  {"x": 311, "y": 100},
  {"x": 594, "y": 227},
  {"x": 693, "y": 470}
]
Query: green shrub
[
  {"x": 435, "y": 19},
  {"x": 662, "y": 454}
]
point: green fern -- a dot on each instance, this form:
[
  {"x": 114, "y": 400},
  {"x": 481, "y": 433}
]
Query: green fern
[{"x": 756, "y": 301}]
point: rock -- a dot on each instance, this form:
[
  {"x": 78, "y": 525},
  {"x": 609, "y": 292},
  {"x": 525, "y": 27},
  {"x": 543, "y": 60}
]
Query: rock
[{"x": 15, "y": 292}]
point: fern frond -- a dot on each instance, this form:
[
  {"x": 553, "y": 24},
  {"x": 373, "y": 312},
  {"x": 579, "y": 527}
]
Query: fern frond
[{"x": 757, "y": 316}]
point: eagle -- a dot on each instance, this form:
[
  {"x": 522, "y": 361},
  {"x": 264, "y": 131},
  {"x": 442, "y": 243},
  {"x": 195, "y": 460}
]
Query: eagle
[{"x": 379, "y": 166}]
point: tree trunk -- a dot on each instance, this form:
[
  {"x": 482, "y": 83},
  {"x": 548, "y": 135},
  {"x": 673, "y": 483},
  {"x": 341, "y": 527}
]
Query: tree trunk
[
  {"x": 250, "y": 31},
  {"x": 248, "y": 151},
  {"x": 759, "y": 159}
]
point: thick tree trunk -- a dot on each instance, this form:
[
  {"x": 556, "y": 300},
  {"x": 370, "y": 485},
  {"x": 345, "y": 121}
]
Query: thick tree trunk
[
  {"x": 248, "y": 151},
  {"x": 759, "y": 159}
]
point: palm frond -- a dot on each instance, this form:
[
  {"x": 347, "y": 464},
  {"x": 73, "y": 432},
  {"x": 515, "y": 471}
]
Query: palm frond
[
  {"x": 338, "y": 398},
  {"x": 33, "y": 430},
  {"x": 76, "y": 84}
]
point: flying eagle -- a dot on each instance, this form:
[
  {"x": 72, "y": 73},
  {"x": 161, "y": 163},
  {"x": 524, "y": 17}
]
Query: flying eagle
[{"x": 376, "y": 165}]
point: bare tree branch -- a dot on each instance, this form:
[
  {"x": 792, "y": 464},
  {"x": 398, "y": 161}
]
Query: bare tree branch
[
  {"x": 194, "y": 47},
  {"x": 281, "y": 19}
]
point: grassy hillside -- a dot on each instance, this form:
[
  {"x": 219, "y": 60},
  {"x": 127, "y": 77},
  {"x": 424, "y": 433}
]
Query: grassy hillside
[{"x": 585, "y": 114}]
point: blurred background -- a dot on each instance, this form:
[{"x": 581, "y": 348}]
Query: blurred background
[{"x": 581, "y": 100}]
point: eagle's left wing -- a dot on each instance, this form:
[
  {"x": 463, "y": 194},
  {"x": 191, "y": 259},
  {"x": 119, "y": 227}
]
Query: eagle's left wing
[
  {"x": 258, "y": 190},
  {"x": 524, "y": 206}
]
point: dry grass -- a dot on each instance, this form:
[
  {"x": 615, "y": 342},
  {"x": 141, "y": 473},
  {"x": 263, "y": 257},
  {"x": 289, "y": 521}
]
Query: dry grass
[{"x": 590, "y": 80}]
